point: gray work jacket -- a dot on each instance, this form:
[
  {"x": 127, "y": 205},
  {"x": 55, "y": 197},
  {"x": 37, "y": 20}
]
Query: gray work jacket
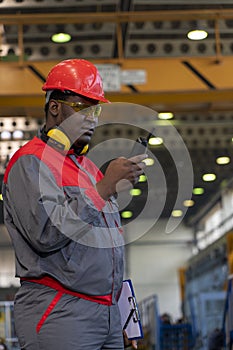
[{"x": 59, "y": 225}]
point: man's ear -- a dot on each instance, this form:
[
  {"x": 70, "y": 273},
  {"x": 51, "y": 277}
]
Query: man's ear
[{"x": 54, "y": 108}]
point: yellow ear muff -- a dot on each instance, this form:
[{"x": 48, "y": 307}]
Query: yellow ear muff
[{"x": 59, "y": 139}]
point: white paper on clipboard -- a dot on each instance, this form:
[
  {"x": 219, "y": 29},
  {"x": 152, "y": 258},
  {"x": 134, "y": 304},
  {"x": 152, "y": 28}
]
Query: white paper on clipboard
[{"x": 130, "y": 318}]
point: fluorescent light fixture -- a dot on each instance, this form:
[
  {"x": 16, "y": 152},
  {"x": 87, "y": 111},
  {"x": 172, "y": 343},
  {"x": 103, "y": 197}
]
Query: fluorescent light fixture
[
  {"x": 188, "y": 203},
  {"x": 61, "y": 38},
  {"x": 142, "y": 178},
  {"x": 198, "y": 190},
  {"x": 198, "y": 30},
  {"x": 17, "y": 134},
  {"x": 5, "y": 135},
  {"x": 135, "y": 192},
  {"x": 149, "y": 161},
  {"x": 165, "y": 115},
  {"x": 197, "y": 34},
  {"x": 209, "y": 177},
  {"x": 176, "y": 213},
  {"x": 127, "y": 214},
  {"x": 155, "y": 141},
  {"x": 223, "y": 160}
]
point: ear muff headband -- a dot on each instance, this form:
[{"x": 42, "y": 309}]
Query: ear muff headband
[
  {"x": 59, "y": 137},
  {"x": 60, "y": 140}
]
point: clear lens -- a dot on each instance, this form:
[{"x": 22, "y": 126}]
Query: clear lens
[{"x": 92, "y": 111}]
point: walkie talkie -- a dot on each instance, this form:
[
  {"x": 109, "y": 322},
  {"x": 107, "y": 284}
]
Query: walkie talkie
[{"x": 140, "y": 145}]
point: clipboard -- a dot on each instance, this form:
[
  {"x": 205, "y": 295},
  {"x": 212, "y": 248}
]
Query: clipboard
[{"x": 130, "y": 317}]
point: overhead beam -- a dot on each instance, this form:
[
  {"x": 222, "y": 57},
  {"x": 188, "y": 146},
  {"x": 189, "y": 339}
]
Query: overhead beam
[
  {"x": 116, "y": 17},
  {"x": 143, "y": 98},
  {"x": 208, "y": 96}
]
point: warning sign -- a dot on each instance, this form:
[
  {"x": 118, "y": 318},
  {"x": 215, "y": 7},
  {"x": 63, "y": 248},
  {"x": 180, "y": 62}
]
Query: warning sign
[
  {"x": 133, "y": 76},
  {"x": 110, "y": 74},
  {"x": 113, "y": 77}
]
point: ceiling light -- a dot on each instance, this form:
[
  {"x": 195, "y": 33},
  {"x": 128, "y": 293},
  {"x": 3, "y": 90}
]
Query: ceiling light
[
  {"x": 142, "y": 178},
  {"x": 155, "y": 141},
  {"x": 198, "y": 190},
  {"x": 6, "y": 135},
  {"x": 148, "y": 161},
  {"x": 17, "y": 134},
  {"x": 165, "y": 115},
  {"x": 127, "y": 214},
  {"x": 223, "y": 160},
  {"x": 197, "y": 34},
  {"x": 209, "y": 177},
  {"x": 198, "y": 30},
  {"x": 177, "y": 213},
  {"x": 188, "y": 203},
  {"x": 135, "y": 192},
  {"x": 61, "y": 38}
]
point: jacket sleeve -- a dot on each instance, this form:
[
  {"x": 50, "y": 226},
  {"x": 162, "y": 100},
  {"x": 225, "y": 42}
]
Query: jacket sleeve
[{"x": 39, "y": 209}]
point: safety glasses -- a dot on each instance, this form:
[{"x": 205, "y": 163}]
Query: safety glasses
[{"x": 87, "y": 110}]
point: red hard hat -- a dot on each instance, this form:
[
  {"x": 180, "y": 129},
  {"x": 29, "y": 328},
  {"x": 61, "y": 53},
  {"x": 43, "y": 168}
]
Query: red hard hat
[{"x": 77, "y": 75}]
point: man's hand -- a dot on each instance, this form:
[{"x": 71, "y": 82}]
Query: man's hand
[
  {"x": 121, "y": 169},
  {"x": 127, "y": 342}
]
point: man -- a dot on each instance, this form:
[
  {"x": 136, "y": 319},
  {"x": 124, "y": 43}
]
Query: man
[{"x": 61, "y": 214}]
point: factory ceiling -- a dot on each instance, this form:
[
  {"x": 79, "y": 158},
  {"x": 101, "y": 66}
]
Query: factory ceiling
[{"x": 146, "y": 59}]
